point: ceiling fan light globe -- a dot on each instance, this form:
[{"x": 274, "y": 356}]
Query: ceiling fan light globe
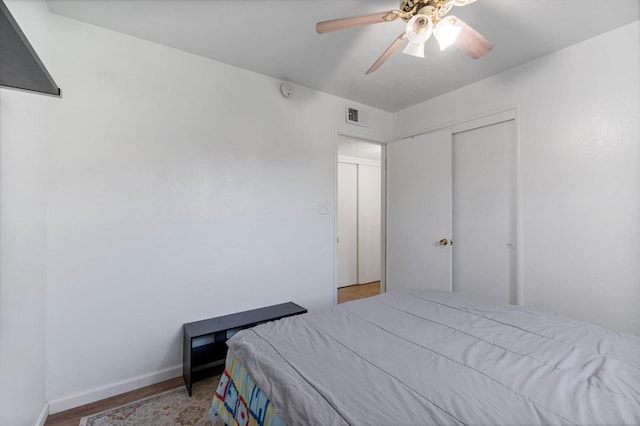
[
  {"x": 419, "y": 29},
  {"x": 446, "y": 33},
  {"x": 414, "y": 49}
]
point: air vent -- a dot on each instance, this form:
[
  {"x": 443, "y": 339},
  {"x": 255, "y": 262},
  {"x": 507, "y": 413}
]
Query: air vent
[{"x": 356, "y": 116}]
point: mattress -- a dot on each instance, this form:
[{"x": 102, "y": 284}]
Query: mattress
[{"x": 429, "y": 357}]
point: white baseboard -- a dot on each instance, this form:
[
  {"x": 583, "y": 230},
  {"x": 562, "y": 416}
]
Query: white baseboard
[
  {"x": 96, "y": 394},
  {"x": 42, "y": 418}
]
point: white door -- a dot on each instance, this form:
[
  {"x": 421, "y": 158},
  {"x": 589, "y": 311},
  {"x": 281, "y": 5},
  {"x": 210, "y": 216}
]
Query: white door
[
  {"x": 419, "y": 212},
  {"x": 369, "y": 209},
  {"x": 347, "y": 224},
  {"x": 484, "y": 219}
]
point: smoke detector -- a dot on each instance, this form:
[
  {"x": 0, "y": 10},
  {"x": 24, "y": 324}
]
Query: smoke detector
[{"x": 287, "y": 90}]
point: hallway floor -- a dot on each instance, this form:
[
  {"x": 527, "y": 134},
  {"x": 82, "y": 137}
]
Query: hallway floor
[{"x": 358, "y": 291}]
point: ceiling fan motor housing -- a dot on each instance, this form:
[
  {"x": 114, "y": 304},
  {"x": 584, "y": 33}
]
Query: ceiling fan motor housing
[
  {"x": 412, "y": 7},
  {"x": 434, "y": 9}
]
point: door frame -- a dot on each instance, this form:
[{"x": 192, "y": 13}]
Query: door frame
[
  {"x": 383, "y": 206},
  {"x": 487, "y": 119}
]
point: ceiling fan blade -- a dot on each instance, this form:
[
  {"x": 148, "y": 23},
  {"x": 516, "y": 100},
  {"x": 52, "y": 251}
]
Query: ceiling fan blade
[
  {"x": 354, "y": 21},
  {"x": 471, "y": 42},
  {"x": 383, "y": 58}
]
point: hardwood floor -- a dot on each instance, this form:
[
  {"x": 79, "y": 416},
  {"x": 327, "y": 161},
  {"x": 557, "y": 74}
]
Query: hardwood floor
[
  {"x": 72, "y": 417},
  {"x": 358, "y": 291}
]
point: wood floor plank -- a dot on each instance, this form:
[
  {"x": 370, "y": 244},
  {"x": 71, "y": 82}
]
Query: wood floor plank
[
  {"x": 72, "y": 417},
  {"x": 358, "y": 291}
]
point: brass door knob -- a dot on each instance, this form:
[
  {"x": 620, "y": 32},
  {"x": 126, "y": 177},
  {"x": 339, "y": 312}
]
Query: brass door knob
[{"x": 444, "y": 242}]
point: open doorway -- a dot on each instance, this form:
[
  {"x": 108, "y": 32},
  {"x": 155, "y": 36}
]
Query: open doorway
[{"x": 360, "y": 189}]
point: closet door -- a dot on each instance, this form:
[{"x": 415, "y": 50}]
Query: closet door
[
  {"x": 461, "y": 188},
  {"x": 369, "y": 216},
  {"x": 347, "y": 224},
  {"x": 419, "y": 174},
  {"x": 484, "y": 216}
]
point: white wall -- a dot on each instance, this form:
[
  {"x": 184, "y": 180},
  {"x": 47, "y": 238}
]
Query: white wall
[
  {"x": 580, "y": 172},
  {"x": 23, "y": 194},
  {"x": 22, "y": 261},
  {"x": 177, "y": 189}
]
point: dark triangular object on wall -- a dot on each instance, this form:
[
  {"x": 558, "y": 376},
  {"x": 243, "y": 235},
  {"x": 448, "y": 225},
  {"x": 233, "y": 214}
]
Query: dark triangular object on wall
[{"x": 20, "y": 66}]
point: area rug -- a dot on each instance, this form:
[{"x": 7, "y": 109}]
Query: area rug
[{"x": 169, "y": 408}]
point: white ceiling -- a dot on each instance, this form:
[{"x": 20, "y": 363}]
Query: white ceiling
[
  {"x": 277, "y": 38},
  {"x": 349, "y": 147}
]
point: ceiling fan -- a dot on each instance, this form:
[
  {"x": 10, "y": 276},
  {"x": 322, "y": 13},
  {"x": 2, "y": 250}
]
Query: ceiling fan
[{"x": 424, "y": 18}]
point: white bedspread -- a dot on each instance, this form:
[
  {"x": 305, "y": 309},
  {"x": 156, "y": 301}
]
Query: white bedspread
[{"x": 428, "y": 357}]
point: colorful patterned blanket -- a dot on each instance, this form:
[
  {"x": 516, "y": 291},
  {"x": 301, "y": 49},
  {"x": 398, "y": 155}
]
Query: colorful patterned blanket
[{"x": 239, "y": 401}]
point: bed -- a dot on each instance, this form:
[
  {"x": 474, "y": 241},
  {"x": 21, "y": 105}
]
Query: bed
[{"x": 429, "y": 357}]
